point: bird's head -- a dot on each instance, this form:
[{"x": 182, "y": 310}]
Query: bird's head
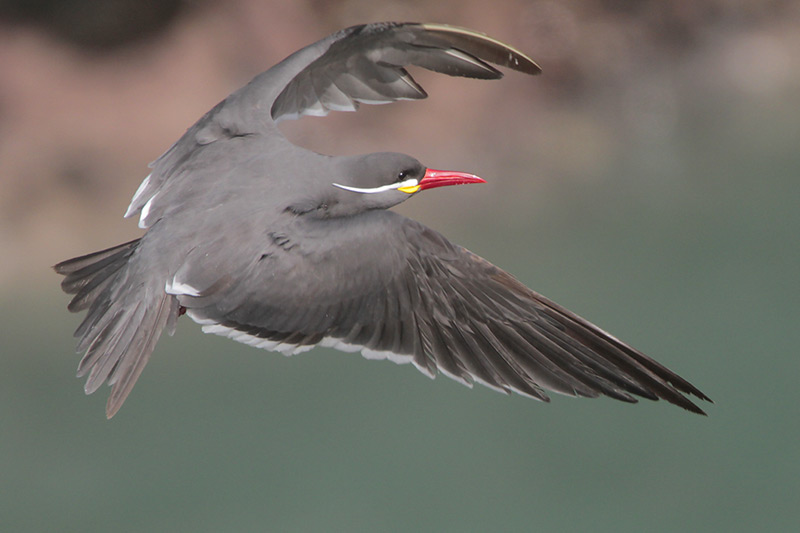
[{"x": 382, "y": 180}]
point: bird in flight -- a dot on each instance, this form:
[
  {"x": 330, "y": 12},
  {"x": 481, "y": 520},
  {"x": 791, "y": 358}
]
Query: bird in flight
[{"x": 282, "y": 248}]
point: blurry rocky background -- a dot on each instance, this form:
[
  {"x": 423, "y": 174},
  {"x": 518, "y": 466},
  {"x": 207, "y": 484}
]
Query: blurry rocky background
[
  {"x": 648, "y": 179},
  {"x": 92, "y": 90}
]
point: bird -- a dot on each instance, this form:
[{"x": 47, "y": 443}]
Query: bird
[{"x": 282, "y": 248}]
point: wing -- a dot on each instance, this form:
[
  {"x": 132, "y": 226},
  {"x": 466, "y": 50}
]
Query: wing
[
  {"x": 365, "y": 65},
  {"x": 361, "y": 64},
  {"x": 412, "y": 296}
]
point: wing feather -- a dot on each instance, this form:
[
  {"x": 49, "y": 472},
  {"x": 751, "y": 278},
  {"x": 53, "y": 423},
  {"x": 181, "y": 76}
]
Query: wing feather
[
  {"x": 420, "y": 298},
  {"x": 365, "y": 64}
]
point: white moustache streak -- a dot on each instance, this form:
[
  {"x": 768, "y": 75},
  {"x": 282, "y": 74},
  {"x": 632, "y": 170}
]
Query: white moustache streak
[{"x": 383, "y": 188}]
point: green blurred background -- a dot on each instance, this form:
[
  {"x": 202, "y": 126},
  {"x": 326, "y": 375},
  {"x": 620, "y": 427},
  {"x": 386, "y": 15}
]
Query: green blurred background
[{"x": 648, "y": 180}]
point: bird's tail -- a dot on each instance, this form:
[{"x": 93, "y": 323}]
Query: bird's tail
[{"x": 124, "y": 320}]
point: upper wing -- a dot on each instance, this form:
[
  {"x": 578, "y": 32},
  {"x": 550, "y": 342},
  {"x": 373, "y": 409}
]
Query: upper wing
[
  {"x": 412, "y": 296},
  {"x": 361, "y": 64},
  {"x": 365, "y": 64}
]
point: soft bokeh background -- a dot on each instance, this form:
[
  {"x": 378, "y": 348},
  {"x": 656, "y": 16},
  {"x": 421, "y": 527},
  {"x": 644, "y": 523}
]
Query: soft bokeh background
[{"x": 647, "y": 180}]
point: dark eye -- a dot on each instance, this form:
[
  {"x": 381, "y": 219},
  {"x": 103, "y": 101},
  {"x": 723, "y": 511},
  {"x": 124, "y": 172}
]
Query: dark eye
[{"x": 403, "y": 175}]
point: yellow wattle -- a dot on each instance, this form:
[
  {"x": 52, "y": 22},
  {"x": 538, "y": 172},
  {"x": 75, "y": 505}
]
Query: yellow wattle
[{"x": 410, "y": 190}]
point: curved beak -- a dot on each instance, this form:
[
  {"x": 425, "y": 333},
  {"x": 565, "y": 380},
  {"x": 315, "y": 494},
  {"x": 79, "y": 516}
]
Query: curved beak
[{"x": 440, "y": 178}]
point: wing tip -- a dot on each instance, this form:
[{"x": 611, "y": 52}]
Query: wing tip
[
  {"x": 517, "y": 60},
  {"x": 692, "y": 407}
]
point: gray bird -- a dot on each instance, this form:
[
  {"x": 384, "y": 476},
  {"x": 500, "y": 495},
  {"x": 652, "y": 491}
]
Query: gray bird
[{"x": 285, "y": 249}]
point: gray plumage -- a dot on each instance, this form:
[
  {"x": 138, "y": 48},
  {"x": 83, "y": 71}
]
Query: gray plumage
[{"x": 267, "y": 243}]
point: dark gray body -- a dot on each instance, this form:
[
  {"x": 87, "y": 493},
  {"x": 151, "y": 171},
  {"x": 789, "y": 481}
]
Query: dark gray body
[{"x": 247, "y": 234}]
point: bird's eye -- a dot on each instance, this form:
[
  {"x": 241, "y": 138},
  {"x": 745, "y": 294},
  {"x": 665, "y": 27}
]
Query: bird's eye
[{"x": 403, "y": 175}]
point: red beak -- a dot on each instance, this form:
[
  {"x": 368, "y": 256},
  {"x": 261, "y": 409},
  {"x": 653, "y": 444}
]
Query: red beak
[{"x": 440, "y": 178}]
